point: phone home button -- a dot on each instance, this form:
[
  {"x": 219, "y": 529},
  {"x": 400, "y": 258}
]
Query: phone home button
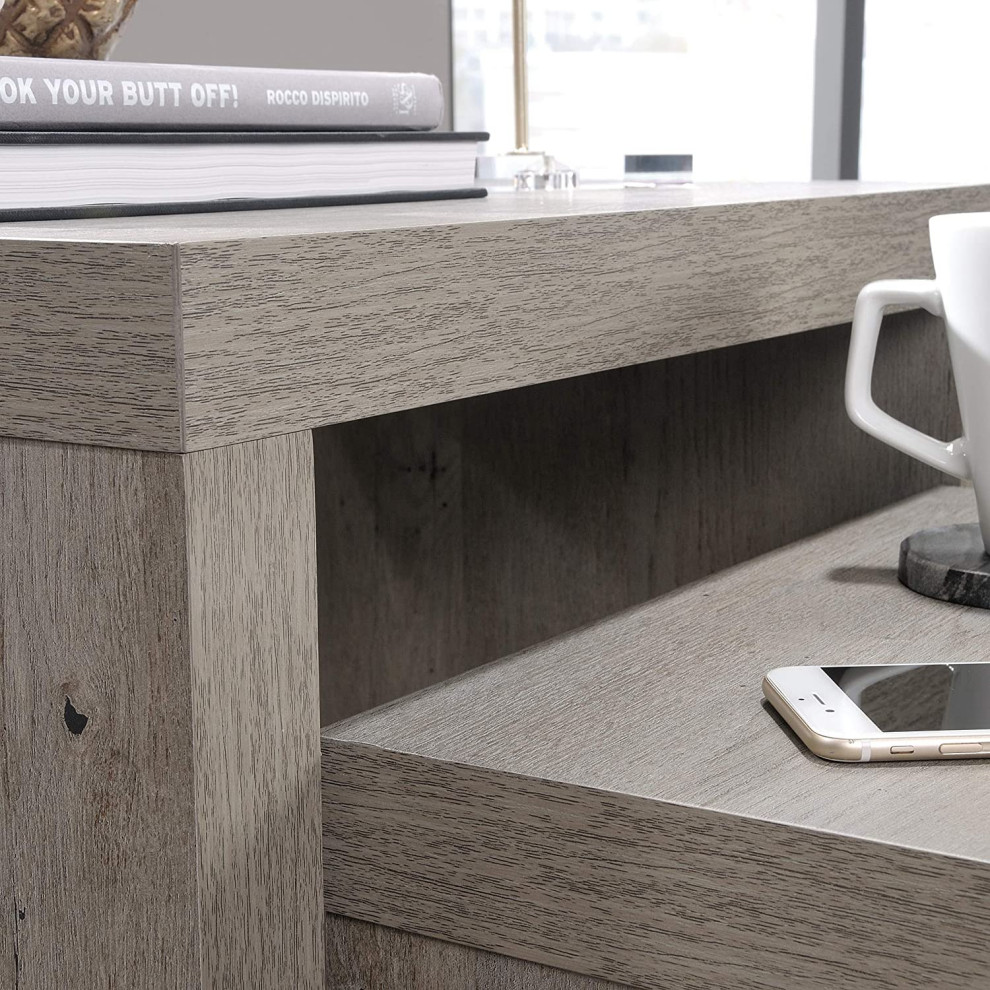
[
  {"x": 949, "y": 749},
  {"x": 901, "y": 750}
]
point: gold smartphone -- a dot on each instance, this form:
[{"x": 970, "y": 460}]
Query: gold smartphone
[{"x": 886, "y": 712}]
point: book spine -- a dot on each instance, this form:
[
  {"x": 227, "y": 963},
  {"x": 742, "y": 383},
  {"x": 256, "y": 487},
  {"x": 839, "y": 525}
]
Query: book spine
[{"x": 51, "y": 94}]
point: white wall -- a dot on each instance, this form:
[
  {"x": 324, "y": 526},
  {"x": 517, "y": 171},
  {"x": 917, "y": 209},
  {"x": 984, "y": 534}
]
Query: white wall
[{"x": 400, "y": 35}]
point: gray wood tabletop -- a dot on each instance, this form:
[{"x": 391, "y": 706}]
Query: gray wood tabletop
[
  {"x": 185, "y": 333},
  {"x": 499, "y": 206},
  {"x": 615, "y": 799}
]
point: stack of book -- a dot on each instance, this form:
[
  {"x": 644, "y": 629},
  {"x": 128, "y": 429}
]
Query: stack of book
[{"x": 81, "y": 139}]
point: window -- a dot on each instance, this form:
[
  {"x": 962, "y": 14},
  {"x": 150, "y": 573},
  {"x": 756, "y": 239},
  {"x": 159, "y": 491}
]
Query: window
[
  {"x": 926, "y": 91},
  {"x": 729, "y": 81}
]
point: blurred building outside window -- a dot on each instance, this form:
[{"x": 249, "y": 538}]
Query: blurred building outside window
[{"x": 730, "y": 82}]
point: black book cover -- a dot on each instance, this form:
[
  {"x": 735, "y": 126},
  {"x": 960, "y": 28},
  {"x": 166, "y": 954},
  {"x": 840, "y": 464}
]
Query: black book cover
[{"x": 105, "y": 211}]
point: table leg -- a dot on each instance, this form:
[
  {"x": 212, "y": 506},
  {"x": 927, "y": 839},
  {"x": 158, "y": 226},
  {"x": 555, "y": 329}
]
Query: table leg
[{"x": 158, "y": 662}]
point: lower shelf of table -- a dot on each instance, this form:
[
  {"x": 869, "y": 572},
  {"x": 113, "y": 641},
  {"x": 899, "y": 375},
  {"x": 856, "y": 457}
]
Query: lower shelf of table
[{"x": 620, "y": 803}]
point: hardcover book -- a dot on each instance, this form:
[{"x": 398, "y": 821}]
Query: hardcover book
[
  {"x": 60, "y": 175},
  {"x": 66, "y": 94}
]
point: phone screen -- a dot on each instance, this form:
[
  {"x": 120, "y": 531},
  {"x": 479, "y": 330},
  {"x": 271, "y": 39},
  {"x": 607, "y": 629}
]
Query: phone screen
[{"x": 919, "y": 697}]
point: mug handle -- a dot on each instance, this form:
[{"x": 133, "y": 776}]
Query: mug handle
[{"x": 863, "y": 411}]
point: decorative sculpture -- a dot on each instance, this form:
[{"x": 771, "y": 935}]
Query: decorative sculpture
[{"x": 62, "y": 28}]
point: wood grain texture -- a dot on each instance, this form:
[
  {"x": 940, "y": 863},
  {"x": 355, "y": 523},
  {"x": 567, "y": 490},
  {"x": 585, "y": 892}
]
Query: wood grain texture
[
  {"x": 649, "y": 894},
  {"x": 94, "y": 615},
  {"x": 368, "y": 957},
  {"x": 295, "y": 332},
  {"x": 287, "y": 320},
  {"x": 390, "y": 558},
  {"x": 453, "y": 535},
  {"x": 9, "y": 959},
  {"x": 255, "y": 709},
  {"x": 158, "y": 673},
  {"x": 89, "y": 344},
  {"x": 619, "y": 803}
]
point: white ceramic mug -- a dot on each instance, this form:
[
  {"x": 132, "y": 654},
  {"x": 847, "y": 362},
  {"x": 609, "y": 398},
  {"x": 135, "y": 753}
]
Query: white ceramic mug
[{"x": 960, "y": 294}]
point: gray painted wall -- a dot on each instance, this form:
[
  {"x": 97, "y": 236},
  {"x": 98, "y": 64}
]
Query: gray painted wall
[{"x": 400, "y": 35}]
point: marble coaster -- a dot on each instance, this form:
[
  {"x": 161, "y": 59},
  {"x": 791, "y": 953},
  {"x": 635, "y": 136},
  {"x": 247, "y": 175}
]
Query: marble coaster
[{"x": 949, "y": 563}]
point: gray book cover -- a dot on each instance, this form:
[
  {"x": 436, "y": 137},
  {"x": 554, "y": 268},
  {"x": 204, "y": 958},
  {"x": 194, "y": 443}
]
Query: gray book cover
[{"x": 41, "y": 93}]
